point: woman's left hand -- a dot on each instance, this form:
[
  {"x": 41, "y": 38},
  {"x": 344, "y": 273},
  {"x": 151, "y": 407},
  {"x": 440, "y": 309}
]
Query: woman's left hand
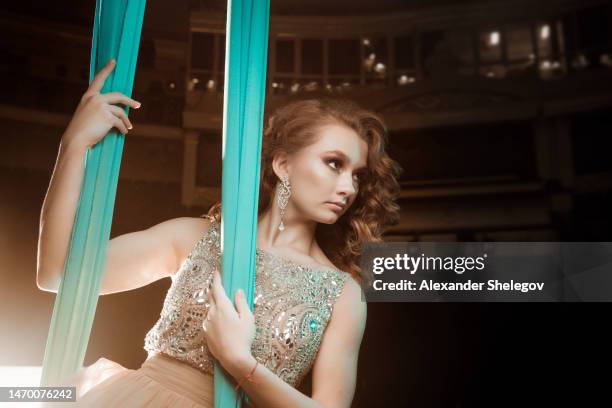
[{"x": 229, "y": 332}]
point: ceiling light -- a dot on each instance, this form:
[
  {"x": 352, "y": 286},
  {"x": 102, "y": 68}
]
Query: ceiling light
[{"x": 494, "y": 38}]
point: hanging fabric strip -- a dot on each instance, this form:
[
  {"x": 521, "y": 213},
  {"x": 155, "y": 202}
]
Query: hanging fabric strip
[
  {"x": 116, "y": 34},
  {"x": 243, "y": 108}
]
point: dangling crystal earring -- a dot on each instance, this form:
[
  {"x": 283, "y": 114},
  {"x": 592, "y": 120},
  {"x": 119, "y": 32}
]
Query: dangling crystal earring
[{"x": 282, "y": 198}]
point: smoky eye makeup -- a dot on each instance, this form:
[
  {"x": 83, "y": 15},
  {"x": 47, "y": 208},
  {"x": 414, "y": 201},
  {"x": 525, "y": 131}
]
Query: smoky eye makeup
[
  {"x": 360, "y": 174},
  {"x": 338, "y": 162}
]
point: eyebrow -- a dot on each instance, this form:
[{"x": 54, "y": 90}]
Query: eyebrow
[{"x": 345, "y": 157}]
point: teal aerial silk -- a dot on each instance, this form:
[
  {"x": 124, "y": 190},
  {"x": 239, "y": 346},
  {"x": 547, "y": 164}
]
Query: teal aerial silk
[
  {"x": 243, "y": 108},
  {"x": 117, "y": 29},
  {"x": 116, "y": 34}
]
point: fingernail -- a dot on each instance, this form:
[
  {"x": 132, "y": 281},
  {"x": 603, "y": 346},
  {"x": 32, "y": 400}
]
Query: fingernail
[
  {"x": 138, "y": 106},
  {"x": 130, "y": 127}
]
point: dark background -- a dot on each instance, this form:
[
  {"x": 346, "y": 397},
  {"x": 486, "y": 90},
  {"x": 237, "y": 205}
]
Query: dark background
[{"x": 495, "y": 144}]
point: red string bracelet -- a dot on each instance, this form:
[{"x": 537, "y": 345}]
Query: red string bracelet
[{"x": 248, "y": 377}]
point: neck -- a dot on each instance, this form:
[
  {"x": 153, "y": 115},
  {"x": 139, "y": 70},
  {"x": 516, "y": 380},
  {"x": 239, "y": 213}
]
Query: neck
[{"x": 297, "y": 237}]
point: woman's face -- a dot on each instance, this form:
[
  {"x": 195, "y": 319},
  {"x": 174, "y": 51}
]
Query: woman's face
[{"x": 325, "y": 172}]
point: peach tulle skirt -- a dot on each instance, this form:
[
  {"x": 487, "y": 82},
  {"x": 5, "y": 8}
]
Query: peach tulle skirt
[{"x": 161, "y": 381}]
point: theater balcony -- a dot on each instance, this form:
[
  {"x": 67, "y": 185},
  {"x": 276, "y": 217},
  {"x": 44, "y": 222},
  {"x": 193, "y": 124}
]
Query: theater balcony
[{"x": 500, "y": 113}]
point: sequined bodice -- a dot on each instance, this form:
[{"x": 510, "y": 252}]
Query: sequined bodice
[{"x": 292, "y": 306}]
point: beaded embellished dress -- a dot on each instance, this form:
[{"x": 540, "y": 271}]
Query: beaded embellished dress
[{"x": 292, "y": 306}]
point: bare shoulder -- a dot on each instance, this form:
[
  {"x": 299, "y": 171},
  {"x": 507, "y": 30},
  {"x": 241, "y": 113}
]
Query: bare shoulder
[
  {"x": 351, "y": 305},
  {"x": 352, "y": 291},
  {"x": 348, "y": 320},
  {"x": 187, "y": 231},
  {"x": 138, "y": 258}
]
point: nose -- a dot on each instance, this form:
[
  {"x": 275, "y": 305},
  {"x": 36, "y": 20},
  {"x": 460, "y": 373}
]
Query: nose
[{"x": 346, "y": 186}]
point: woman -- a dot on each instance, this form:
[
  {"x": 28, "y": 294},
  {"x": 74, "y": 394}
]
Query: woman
[{"x": 336, "y": 190}]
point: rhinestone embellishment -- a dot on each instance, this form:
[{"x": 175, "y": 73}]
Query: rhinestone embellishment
[{"x": 292, "y": 306}]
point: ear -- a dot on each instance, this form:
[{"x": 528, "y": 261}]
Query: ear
[{"x": 281, "y": 165}]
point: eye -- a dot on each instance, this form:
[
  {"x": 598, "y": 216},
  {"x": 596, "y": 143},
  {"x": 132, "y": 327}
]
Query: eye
[
  {"x": 358, "y": 177},
  {"x": 334, "y": 161}
]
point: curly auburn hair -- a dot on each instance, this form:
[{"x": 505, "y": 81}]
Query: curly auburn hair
[{"x": 293, "y": 127}]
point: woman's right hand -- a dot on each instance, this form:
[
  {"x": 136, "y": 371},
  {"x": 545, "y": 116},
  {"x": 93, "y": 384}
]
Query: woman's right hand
[{"x": 96, "y": 113}]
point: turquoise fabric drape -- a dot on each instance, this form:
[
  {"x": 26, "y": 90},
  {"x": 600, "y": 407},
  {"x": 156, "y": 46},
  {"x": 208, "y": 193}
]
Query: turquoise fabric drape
[
  {"x": 243, "y": 107},
  {"x": 116, "y": 34},
  {"x": 117, "y": 29}
]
